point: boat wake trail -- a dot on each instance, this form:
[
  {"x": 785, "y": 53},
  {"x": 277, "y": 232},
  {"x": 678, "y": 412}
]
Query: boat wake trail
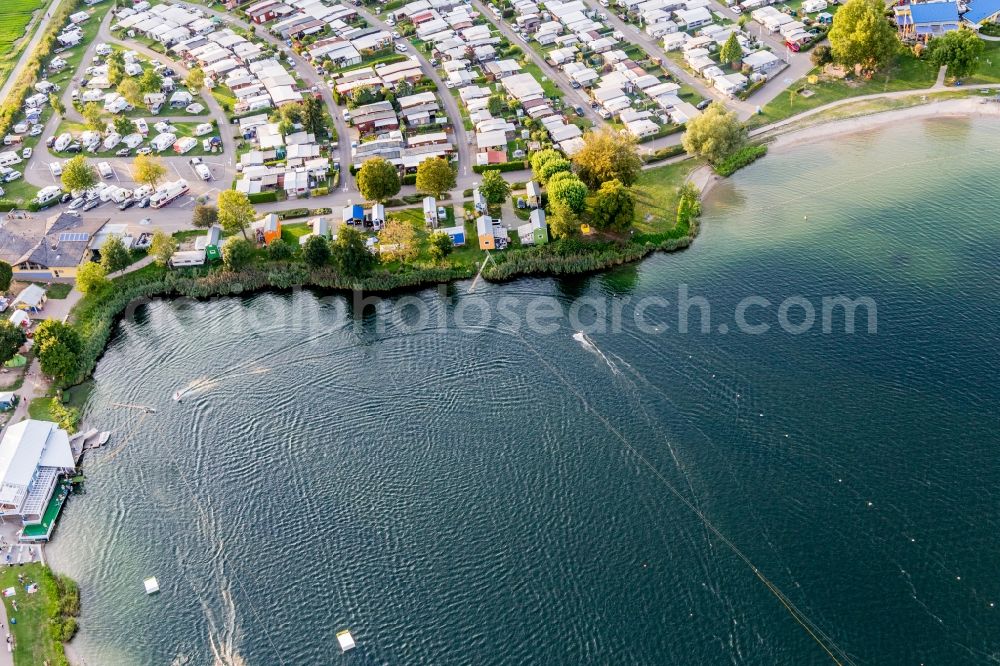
[{"x": 589, "y": 345}]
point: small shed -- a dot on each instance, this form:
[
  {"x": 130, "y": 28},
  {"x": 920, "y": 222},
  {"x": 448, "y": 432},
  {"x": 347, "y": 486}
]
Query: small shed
[
  {"x": 271, "y": 228},
  {"x": 430, "y": 212},
  {"x": 353, "y": 214},
  {"x": 456, "y": 234},
  {"x": 534, "y": 194},
  {"x": 484, "y": 230},
  {"x": 31, "y": 298}
]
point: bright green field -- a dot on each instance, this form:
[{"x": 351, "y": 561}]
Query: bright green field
[{"x": 14, "y": 21}]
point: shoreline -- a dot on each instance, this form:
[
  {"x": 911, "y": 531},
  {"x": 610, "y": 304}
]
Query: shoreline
[{"x": 702, "y": 177}]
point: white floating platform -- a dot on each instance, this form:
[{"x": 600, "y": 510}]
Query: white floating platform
[
  {"x": 151, "y": 585},
  {"x": 346, "y": 640}
]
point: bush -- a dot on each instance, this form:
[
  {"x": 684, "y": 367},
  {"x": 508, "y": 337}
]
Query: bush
[
  {"x": 292, "y": 213},
  {"x": 7, "y": 205},
  {"x": 320, "y": 192},
  {"x": 263, "y": 197},
  {"x": 504, "y": 167},
  {"x": 664, "y": 154},
  {"x": 743, "y": 157},
  {"x": 409, "y": 179}
]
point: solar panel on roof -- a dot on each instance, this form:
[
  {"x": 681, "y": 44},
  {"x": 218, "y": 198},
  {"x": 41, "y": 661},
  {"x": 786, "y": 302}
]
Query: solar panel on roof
[{"x": 73, "y": 237}]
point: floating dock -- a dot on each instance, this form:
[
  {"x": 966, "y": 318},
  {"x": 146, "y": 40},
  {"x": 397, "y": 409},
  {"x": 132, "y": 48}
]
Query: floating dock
[
  {"x": 152, "y": 585},
  {"x": 346, "y": 640}
]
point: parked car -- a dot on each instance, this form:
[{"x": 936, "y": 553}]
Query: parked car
[
  {"x": 125, "y": 205},
  {"x": 124, "y": 152},
  {"x": 144, "y": 202},
  {"x": 579, "y": 110},
  {"x": 12, "y": 176},
  {"x": 703, "y": 104},
  {"x": 92, "y": 203},
  {"x": 145, "y": 150},
  {"x": 74, "y": 148},
  {"x": 76, "y": 203},
  {"x": 400, "y": 47},
  {"x": 49, "y": 142},
  {"x": 575, "y": 85},
  {"x": 26, "y": 153},
  {"x": 442, "y": 213},
  {"x": 36, "y": 130},
  {"x": 66, "y": 197}
]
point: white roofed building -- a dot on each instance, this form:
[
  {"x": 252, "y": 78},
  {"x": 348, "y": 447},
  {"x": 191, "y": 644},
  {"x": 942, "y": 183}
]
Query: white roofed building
[{"x": 33, "y": 455}]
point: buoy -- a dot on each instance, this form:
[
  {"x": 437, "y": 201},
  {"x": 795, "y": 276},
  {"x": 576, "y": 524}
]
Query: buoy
[
  {"x": 346, "y": 640},
  {"x": 151, "y": 585}
]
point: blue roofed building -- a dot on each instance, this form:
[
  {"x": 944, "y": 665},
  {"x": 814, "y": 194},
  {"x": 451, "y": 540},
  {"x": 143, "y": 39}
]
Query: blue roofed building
[
  {"x": 981, "y": 11},
  {"x": 353, "y": 214},
  {"x": 924, "y": 20}
]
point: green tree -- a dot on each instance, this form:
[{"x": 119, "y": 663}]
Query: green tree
[
  {"x": 77, "y": 174},
  {"x": 237, "y": 253},
  {"x": 540, "y": 157},
  {"x": 148, "y": 170},
  {"x": 162, "y": 247},
  {"x": 821, "y": 55},
  {"x": 123, "y": 125},
  {"x": 378, "y": 179},
  {"x": 440, "y": 245},
  {"x": 130, "y": 90},
  {"x": 614, "y": 207},
  {"x": 116, "y": 66},
  {"x": 235, "y": 212},
  {"x": 204, "y": 216},
  {"x": 65, "y": 417},
  {"x": 279, "y": 250},
  {"x": 568, "y": 190},
  {"x": 715, "y": 134},
  {"x": 606, "y": 155},
  {"x": 435, "y": 176},
  {"x": 959, "y": 50},
  {"x": 59, "y": 348},
  {"x": 349, "y": 254},
  {"x": 11, "y": 339},
  {"x": 195, "y": 79},
  {"x": 57, "y": 106},
  {"x": 862, "y": 36},
  {"x": 6, "y": 275},
  {"x": 91, "y": 277},
  {"x": 114, "y": 255},
  {"x": 731, "y": 51},
  {"x": 553, "y": 167},
  {"x": 362, "y": 96},
  {"x": 316, "y": 252},
  {"x": 314, "y": 117},
  {"x": 496, "y": 105},
  {"x": 150, "y": 81},
  {"x": 92, "y": 114},
  {"x": 562, "y": 221},
  {"x": 493, "y": 187}
]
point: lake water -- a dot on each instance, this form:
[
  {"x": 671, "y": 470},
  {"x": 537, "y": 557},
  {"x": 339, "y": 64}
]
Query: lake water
[{"x": 496, "y": 493}]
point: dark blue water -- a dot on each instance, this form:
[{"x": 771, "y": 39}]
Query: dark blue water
[{"x": 499, "y": 493}]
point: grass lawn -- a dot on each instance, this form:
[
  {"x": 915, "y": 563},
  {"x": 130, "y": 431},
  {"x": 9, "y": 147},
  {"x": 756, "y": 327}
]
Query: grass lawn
[
  {"x": 465, "y": 257},
  {"x": 548, "y": 86},
  {"x": 57, "y": 290},
  {"x": 989, "y": 65},
  {"x": 13, "y": 24},
  {"x": 656, "y": 197},
  {"x": 41, "y": 616},
  {"x": 291, "y": 233},
  {"x": 906, "y": 73}
]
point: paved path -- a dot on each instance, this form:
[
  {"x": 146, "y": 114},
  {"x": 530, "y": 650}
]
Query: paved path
[
  {"x": 26, "y": 54},
  {"x": 557, "y": 76}
]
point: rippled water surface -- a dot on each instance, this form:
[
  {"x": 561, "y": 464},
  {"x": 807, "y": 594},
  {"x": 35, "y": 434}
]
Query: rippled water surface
[{"x": 486, "y": 496}]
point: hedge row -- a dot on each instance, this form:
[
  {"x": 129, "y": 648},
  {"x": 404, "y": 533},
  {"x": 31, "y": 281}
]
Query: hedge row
[
  {"x": 263, "y": 197},
  {"x": 743, "y": 157},
  {"x": 519, "y": 165}
]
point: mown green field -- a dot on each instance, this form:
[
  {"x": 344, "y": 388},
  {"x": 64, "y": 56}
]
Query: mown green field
[{"x": 14, "y": 20}]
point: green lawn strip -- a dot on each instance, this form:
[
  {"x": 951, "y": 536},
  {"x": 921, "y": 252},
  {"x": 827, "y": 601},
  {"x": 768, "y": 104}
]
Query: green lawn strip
[
  {"x": 14, "y": 36},
  {"x": 989, "y": 65},
  {"x": 906, "y": 73},
  {"x": 549, "y": 86},
  {"x": 44, "y": 618},
  {"x": 656, "y": 197}
]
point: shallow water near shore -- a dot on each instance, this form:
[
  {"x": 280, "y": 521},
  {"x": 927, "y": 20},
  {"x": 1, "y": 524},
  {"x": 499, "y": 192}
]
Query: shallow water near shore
[{"x": 486, "y": 495}]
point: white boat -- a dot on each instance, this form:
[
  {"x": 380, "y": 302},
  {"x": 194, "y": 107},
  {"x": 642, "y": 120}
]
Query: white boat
[
  {"x": 178, "y": 395},
  {"x": 103, "y": 439}
]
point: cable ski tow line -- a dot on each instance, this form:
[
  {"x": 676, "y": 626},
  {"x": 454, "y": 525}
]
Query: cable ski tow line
[{"x": 834, "y": 651}]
